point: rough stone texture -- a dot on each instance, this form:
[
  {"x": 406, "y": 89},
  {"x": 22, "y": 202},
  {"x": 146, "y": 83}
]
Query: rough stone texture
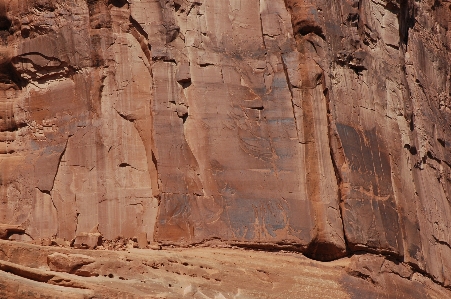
[
  {"x": 29, "y": 271},
  {"x": 87, "y": 240},
  {"x": 68, "y": 263},
  {"x": 316, "y": 126}
]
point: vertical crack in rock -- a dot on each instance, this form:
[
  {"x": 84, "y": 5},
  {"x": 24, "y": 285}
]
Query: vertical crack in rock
[
  {"x": 333, "y": 148},
  {"x": 261, "y": 22},
  {"x": 329, "y": 242},
  {"x": 406, "y": 21},
  {"x": 77, "y": 214},
  {"x": 49, "y": 192},
  {"x": 59, "y": 163},
  {"x": 152, "y": 148},
  {"x": 138, "y": 27},
  {"x": 293, "y": 105},
  {"x": 142, "y": 37}
]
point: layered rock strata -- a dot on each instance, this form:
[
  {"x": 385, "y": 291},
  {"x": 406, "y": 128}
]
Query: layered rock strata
[{"x": 30, "y": 271}]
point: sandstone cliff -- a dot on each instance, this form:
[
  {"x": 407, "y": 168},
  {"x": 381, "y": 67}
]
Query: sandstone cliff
[{"x": 313, "y": 126}]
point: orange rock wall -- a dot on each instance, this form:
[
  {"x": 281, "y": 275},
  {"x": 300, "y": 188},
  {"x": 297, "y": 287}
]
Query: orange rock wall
[{"x": 319, "y": 126}]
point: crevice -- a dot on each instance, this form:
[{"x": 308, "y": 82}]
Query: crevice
[
  {"x": 154, "y": 161},
  {"x": 124, "y": 165},
  {"x": 261, "y": 23},
  {"x": 351, "y": 60},
  {"x": 363, "y": 276},
  {"x": 60, "y": 159},
  {"x": 185, "y": 83},
  {"x": 260, "y": 108},
  {"x": 141, "y": 36},
  {"x": 54, "y": 69},
  {"x": 138, "y": 27},
  {"x": 177, "y": 7},
  {"x": 271, "y": 247},
  {"x": 77, "y": 214},
  {"x": 6, "y": 230},
  {"x": 293, "y": 105},
  {"x": 417, "y": 269},
  {"x": 164, "y": 59},
  {"x": 412, "y": 149},
  {"x": 392, "y": 7},
  {"x": 429, "y": 155},
  {"x": 353, "y": 19},
  {"x": 183, "y": 116},
  {"x": 5, "y": 30},
  {"x": 442, "y": 142},
  {"x": 172, "y": 32},
  {"x": 49, "y": 58},
  {"x": 337, "y": 172},
  {"x": 441, "y": 242},
  {"x": 129, "y": 118},
  {"x": 437, "y": 4},
  {"x": 193, "y": 5},
  {"x": 5, "y": 23},
  {"x": 432, "y": 157},
  {"x": 361, "y": 249},
  {"x": 406, "y": 20},
  {"x": 10, "y": 76},
  {"x": 396, "y": 47},
  {"x": 45, "y": 6},
  {"x": 323, "y": 251},
  {"x": 118, "y": 3},
  {"x": 44, "y": 191},
  {"x": 305, "y": 27}
]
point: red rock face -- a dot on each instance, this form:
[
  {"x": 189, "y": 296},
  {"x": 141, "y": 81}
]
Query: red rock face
[{"x": 314, "y": 126}]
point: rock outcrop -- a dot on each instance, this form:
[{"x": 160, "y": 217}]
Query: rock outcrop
[
  {"x": 30, "y": 271},
  {"x": 318, "y": 127}
]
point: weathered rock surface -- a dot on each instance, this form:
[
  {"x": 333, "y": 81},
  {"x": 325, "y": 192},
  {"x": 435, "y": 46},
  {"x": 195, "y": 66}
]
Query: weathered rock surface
[
  {"x": 28, "y": 271},
  {"x": 320, "y": 127}
]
